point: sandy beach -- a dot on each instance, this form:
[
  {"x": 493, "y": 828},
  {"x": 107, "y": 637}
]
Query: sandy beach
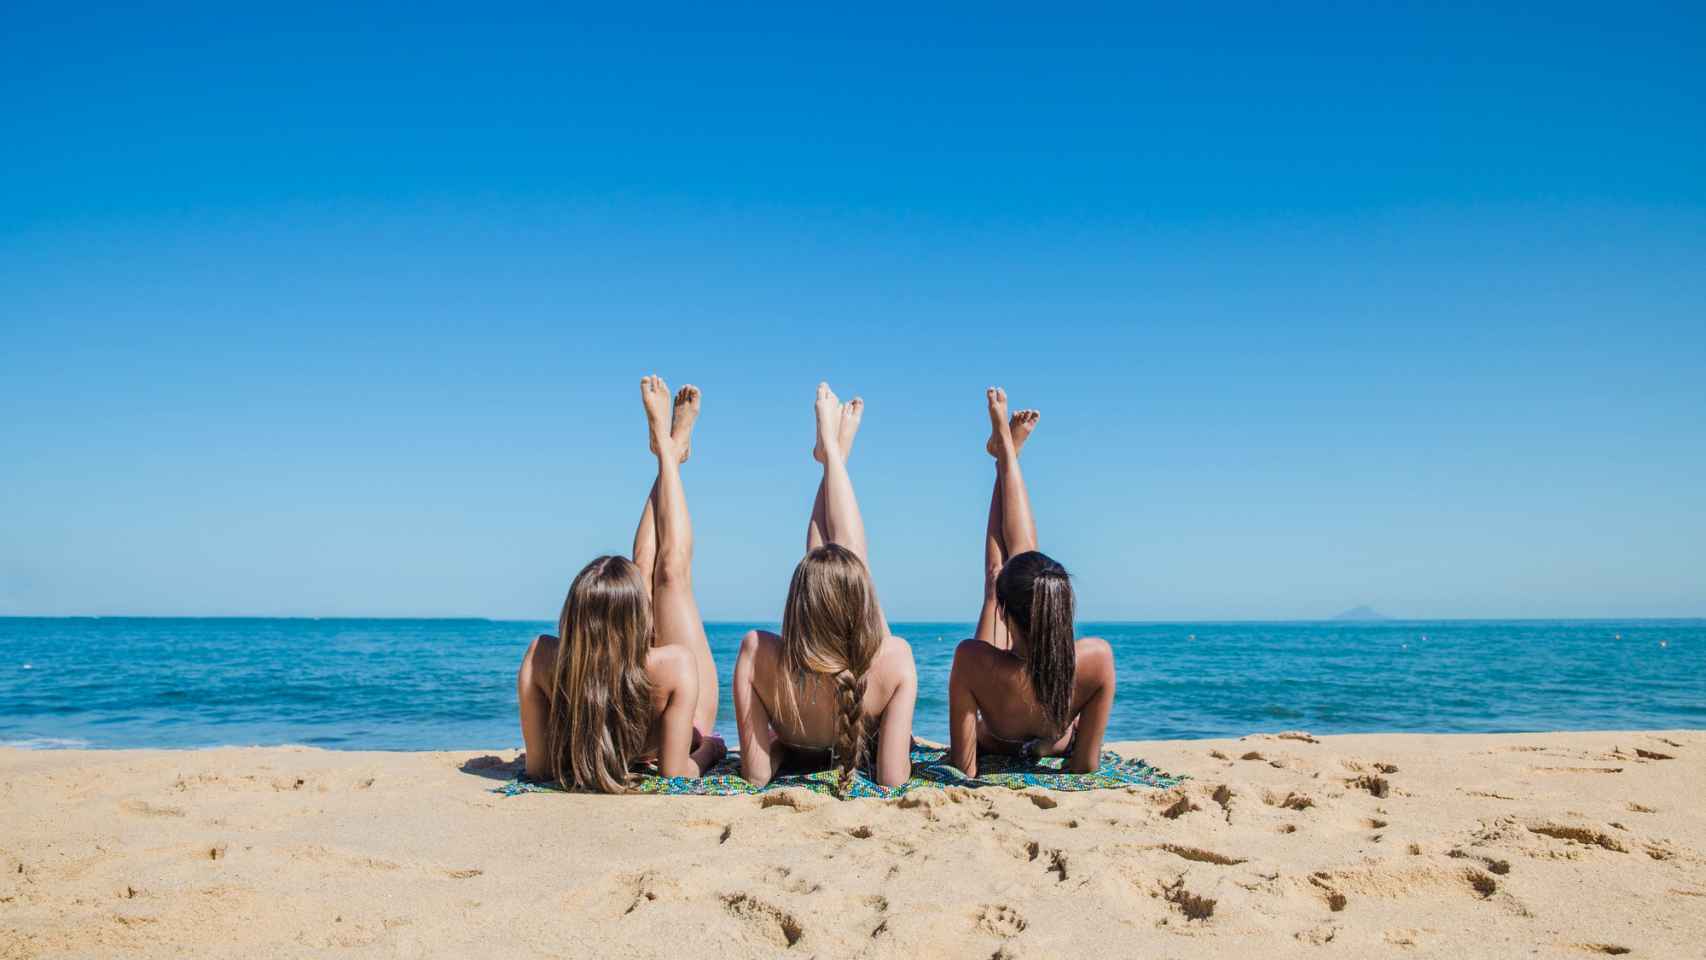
[{"x": 1571, "y": 845}]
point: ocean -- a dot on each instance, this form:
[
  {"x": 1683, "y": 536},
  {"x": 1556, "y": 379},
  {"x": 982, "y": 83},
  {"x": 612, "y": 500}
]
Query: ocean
[{"x": 450, "y": 684}]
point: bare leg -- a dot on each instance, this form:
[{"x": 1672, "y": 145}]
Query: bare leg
[
  {"x": 851, "y": 414},
  {"x": 675, "y": 612},
  {"x": 1018, "y": 530},
  {"x": 990, "y": 628},
  {"x": 646, "y": 534},
  {"x": 842, "y": 523}
]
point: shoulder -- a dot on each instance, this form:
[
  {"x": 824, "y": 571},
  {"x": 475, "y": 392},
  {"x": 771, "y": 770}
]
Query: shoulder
[
  {"x": 1094, "y": 653},
  {"x": 896, "y": 652},
  {"x": 894, "y": 662},
  {"x": 670, "y": 667},
  {"x": 541, "y": 657},
  {"x": 759, "y": 643},
  {"x": 976, "y": 651}
]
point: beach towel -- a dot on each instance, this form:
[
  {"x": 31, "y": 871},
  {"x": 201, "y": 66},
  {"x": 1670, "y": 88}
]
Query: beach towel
[{"x": 930, "y": 770}]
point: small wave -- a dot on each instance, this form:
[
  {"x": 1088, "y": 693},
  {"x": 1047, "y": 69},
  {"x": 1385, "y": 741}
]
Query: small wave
[{"x": 46, "y": 743}]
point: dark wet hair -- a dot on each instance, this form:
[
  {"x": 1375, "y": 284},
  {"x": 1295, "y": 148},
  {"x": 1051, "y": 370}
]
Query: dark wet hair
[{"x": 1035, "y": 592}]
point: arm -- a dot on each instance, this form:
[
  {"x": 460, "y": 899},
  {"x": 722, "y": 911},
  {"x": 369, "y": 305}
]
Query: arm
[
  {"x": 962, "y": 710},
  {"x": 535, "y": 703},
  {"x": 894, "y": 732},
  {"x": 678, "y": 756},
  {"x": 1096, "y": 679},
  {"x": 756, "y": 736}
]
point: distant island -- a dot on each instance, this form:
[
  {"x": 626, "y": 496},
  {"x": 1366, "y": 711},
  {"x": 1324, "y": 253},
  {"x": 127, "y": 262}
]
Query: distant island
[{"x": 1362, "y": 613}]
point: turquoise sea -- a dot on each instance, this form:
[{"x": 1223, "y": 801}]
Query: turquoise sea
[{"x": 450, "y": 684}]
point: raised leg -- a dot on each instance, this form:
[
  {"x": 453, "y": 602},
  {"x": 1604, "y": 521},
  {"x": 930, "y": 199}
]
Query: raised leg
[
  {"x": 646, "y": 534},
  {"x": 675, "y": 611},
  {"x": 646, "y": 539},
  {"x": 842, "y": 523},
  {"x": 851, "y": 413},
  {"x": 990, "y": 628}
]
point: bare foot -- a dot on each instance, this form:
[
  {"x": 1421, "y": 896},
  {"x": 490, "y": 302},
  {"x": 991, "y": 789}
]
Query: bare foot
[
  {"x": 681, "y": 422},
  {"x": 851, "y": 413},
  {"x": 654, "y": 395},
  {"x": 1000, "y": 432},
  {"x": 1020, "y": 425},
  {"x": 828, "y": 409}
]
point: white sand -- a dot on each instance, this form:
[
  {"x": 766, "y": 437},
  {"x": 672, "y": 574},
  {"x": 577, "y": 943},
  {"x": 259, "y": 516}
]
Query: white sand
[{"x": 1572, "y": 845}]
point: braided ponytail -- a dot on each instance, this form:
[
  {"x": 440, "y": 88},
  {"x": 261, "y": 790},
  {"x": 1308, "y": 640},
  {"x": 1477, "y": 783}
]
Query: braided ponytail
[
  {"x": 831, "y": 631},
  {"x": 849, "y": 729}
]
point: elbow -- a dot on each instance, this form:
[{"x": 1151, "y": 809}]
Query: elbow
[{"x": 758, "y": 778}]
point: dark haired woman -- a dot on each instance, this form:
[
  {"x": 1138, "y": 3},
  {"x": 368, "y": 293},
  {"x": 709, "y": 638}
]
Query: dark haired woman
[
  {"x": 1025, "y": 685},
  {"x": 629, "y": 676}
]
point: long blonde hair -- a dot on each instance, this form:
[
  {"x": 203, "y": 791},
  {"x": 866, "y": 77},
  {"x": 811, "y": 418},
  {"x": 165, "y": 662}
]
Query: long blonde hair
[
  {"x": 601, "y": 699},
  {"x": 831, "y": 628}
]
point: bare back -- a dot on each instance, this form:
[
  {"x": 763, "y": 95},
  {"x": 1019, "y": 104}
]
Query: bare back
[
  {"x": 993, "y": 690},
  {"x": 891, "y": 687},
  {"x": 670, "y": 670}
]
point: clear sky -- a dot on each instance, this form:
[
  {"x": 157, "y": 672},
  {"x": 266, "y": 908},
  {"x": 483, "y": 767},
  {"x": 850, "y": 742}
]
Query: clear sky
[{"x": 340, "y": 312}]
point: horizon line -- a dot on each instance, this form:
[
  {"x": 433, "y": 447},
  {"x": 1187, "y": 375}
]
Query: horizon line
[{"x": 926, "y": 620}]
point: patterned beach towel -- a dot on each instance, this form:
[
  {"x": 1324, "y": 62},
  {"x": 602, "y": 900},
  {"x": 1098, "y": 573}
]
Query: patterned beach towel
[{"x": 930, "y": 769}]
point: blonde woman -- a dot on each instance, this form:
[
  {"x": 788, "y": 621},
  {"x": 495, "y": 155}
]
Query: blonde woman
[
  {"x": 629, "y": 676},
  {"x": 834, "y": 678}
]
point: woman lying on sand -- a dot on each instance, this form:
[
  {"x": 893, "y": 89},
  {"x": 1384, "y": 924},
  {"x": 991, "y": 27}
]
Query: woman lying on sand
[
  {"x": 835, "y": 673},
  {"x": 1023, "y": 686},
  {"x": 631, "y": 678}
]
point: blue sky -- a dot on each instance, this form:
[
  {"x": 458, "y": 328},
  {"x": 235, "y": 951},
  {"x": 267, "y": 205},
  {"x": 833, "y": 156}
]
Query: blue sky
[{"x": 325, "y": 312}]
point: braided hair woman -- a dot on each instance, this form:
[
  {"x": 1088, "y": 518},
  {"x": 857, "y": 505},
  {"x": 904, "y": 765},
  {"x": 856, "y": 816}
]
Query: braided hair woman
[{"x": 834, "y": 690}]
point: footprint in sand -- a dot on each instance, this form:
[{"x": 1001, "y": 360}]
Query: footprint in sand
[
  {"x": 783, "y": 877},
  {"x": 143, "y": 808},
  {"x": 1291, "y": 801},
  {"x": 1584, "y": 835},
  {"x": 1377, "y": 786},
  {"x": 1318, "y": 936},
  {"x": 1179, "y": 808},
  {"x": 771, "y": 922},
  {"x": 1192, "y": 905},
  {"x": 1001, "y": 920},
  {"x": 1199, "y": 855},
  {"x": 1331, "y": 896}
]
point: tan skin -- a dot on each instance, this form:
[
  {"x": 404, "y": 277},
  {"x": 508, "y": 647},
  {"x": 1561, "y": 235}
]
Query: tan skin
[
  {"x": 891, "y": 689},
  {"x": 991, "y": 706},
  {"x": 684, "y": 705}
]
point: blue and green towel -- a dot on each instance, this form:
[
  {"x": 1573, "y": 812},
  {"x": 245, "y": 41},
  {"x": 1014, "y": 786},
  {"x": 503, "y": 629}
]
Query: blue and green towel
[{"x": 930, "y": 769}]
